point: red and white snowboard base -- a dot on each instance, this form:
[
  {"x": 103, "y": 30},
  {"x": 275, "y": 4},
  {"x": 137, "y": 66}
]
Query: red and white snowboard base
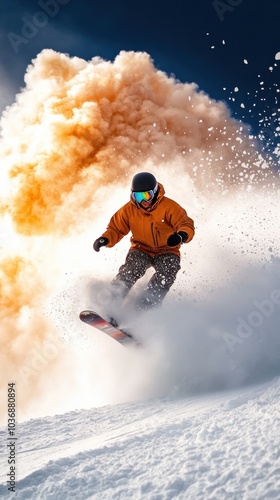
[{"x": 95, "y": 320}]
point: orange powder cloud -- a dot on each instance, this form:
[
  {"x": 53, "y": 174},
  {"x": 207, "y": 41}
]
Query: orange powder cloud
[{"x": 81, "y": 125}]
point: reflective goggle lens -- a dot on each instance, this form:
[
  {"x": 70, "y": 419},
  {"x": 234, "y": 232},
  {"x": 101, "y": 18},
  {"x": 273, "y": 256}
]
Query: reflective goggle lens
[{"x": 143, "y": 195}]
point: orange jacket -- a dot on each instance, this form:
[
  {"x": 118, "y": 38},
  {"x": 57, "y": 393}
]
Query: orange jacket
[{"x": 150, "y": 228}]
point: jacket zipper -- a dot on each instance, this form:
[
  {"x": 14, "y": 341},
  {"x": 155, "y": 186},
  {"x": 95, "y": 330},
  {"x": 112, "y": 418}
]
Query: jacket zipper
[{"x": 154, "y": 237}]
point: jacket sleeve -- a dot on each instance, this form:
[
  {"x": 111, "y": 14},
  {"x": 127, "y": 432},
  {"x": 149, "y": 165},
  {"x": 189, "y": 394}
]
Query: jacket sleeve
[
  {"x": 180, "y": 221},
  {"x": 118, "y": 227}
]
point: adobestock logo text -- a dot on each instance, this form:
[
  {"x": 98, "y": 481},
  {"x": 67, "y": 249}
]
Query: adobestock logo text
[
  {"x": 255, "y": 319},
  {"x": 31, "y": 25}
]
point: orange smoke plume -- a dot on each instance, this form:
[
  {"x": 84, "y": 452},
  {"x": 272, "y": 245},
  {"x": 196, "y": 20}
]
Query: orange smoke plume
[{"x": 81, "y": 123}]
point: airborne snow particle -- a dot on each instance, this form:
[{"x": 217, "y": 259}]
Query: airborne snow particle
[
  {"x": 245, "y": 61},
  {"x": 277, "y": 56}
]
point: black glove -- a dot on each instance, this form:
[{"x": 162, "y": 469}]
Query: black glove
[
  {"x": 177, "y": 238},
  {"x": 100, "y": 242}
]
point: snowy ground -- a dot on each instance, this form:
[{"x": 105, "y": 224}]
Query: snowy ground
[{"x": 219, "y": 445}]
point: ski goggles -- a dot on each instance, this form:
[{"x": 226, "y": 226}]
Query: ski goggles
[{"x": 139, "y": 196}]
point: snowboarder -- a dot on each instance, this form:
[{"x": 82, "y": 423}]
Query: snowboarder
[{"x": 159, "y": 226}]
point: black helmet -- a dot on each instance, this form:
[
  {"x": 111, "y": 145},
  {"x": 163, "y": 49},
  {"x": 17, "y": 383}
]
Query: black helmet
[{"x": 144, "y": 181}]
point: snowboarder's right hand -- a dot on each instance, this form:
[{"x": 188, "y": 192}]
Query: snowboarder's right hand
[{"x": 100, "y": 242}]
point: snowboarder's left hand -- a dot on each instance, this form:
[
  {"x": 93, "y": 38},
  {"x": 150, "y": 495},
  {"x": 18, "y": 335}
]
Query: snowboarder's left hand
[
  {"x": 177, "y": 238},
  {"x": 100, "y": 242}
]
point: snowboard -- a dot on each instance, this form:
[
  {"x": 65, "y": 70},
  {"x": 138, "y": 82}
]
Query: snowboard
[{"x": 95, "y": 320}]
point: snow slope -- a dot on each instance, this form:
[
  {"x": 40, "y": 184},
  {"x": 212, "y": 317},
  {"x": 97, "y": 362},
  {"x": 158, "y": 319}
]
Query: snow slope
[{"x": 219, "y": 445}]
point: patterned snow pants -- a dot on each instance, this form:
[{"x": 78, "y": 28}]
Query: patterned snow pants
[{"x": 136, "y": 264}]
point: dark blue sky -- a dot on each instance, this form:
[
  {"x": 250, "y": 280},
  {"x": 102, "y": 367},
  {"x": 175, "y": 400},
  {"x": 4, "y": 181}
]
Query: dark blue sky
[{"x": 173, "y": 33}]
